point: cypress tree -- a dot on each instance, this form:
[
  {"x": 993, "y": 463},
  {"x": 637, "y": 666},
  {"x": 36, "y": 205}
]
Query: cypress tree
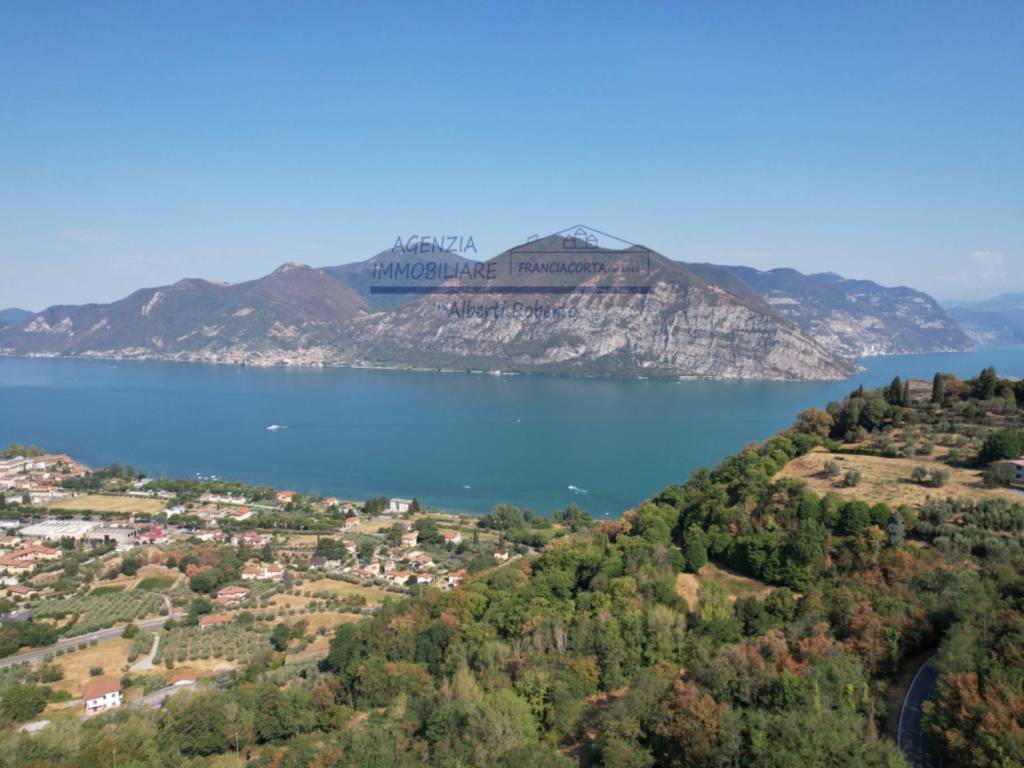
[{"x": 939, "y": 389}]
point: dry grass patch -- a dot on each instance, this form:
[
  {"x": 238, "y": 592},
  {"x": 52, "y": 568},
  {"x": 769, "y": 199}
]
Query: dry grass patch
[
  {"x": 887, "y": 480},
  {"x": 736, "y": 586},
  {"x": 145, "y": 572},
  {"x": 318, "y": 620},
  {"x": 344, "y": 589},
  {"x": 110, "y": 655},
  {"x": 119, "y": 504},
  {"x": 317, "y": 649},
  {"x": 289, "y": 601},
  {"x": 303, "y": 540}
]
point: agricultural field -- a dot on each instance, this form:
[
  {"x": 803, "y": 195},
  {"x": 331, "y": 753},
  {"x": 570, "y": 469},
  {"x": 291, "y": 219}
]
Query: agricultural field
[
  {"x": 103, "y": 503},
  {"x": 344, "y": 589},
  {"x": 155, "y": 575},
  {"x": 735, "y": 585},
  {"x": 99, "y": 611},
  {"x": 232, "y": 642},
  {"x": 328, "y": 621},
  {"x": 110, "y": 656},
  {"x": 888, "y": 480}
]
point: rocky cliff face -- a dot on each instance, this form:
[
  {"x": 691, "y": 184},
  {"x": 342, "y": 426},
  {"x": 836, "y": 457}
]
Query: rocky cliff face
[
  {"x": 555, "y": 305},
  {"x": 629, "y": 313},
  {"x": 855, "y": 318},
  {"x": 295, "y": 309}
]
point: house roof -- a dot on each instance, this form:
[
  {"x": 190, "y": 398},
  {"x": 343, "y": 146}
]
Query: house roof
[
  {"x": 100, "y": 687},
  {"x": 232, "y": 591}
]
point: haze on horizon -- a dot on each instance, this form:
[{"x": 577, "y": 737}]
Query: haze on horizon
[{"x": 140, "y": 145}]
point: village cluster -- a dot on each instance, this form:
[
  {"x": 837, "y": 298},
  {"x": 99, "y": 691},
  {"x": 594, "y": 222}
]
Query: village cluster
[{"x": 49, "y": 517}]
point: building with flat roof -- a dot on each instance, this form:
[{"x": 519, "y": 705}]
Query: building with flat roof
[
  {"x": 55, "y": 530},
  {"x": 121, "y": 536}
]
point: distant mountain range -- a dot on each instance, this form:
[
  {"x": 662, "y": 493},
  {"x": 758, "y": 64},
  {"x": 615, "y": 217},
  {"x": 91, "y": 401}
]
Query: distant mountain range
[
  {"x": 13, "y": 316},
  {"x": 999, "y": 320},
  {"x": 555, "y": 305},
  {"x": 856, "y": 318}
]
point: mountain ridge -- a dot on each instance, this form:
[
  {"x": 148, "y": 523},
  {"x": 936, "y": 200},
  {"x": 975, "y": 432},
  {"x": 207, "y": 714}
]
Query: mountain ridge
[
  {"x": 998, "y": 320},
  {"x": 566, "y": 307},
  {"x": 857, "y": 318}
]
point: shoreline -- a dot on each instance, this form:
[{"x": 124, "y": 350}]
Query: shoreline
[{"x": 499, "y": 372}]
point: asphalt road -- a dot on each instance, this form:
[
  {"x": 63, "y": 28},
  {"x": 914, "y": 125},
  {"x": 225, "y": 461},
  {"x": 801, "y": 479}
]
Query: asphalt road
[
  {"x": 157, "y": 698},
  {"x": 911, "y": 737},
  {"x": 37, "y": 654}
]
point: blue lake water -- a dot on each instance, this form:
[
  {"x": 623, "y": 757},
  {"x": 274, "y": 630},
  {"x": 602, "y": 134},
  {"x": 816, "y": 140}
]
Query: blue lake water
[{"x": 457, "y": 441}]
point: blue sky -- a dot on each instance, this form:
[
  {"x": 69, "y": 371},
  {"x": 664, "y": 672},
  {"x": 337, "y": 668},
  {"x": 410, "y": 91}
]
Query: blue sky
[{"x": 144, "y": 142}]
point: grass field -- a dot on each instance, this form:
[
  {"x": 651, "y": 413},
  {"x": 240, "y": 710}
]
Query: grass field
[
  {"x": 110, "y": 655},
  {"x": 888, "y": 480},
  {"x": 107, "y": 589},
  {"x": 317, "y": 620},
  {"x": 343, "y": 588},
  {"x": 99, "y": 503},
  {"x": 154, "y": 574},
  {"x": 688, "y": 584},
  {"x": 156, "y": 583}
]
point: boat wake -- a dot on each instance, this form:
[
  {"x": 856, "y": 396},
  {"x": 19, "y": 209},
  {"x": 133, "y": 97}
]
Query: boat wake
[{"x": 582, "y": 491}]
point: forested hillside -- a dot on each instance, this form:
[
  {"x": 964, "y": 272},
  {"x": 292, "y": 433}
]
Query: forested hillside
[{"x": 593, "y": 652}]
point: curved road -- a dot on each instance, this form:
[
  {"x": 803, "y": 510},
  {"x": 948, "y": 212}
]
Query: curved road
[
  {"x": 37, "y": 654},
  {"x": 912, "y": 740}
]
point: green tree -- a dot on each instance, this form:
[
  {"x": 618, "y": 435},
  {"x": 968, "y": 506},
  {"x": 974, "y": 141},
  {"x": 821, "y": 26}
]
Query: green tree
[
  {"x": 1003, "y": 444},
  {"x": 195, "y": 723},
  {"x": 939, "y": 389},
  {"x": 894, "y": 392},
  {"x": 280, "y": 637},
  {"x": 695, "y": 548},
  {"x": 22, "y": 702}
]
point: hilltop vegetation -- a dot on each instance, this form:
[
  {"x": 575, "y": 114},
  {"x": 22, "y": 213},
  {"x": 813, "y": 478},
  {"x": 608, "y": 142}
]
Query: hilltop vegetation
[{"x": 586, "y": 654}]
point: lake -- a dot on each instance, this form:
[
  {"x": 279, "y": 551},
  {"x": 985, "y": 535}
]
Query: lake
[{"x": 461, "y": 442}]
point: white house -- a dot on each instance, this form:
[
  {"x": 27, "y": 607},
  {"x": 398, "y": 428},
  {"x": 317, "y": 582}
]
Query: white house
[
  {"x": 399, "y": 506},
  {"x": 101, "y": 694},
  {"x": 1017, "y": 468}
]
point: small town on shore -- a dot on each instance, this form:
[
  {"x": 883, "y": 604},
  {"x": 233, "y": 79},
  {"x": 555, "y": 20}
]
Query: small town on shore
[{"x": 140, "y": 587}]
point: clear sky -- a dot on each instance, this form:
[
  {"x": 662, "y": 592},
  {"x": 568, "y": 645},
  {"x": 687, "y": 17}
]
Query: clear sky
[{"x": 145, "y": 142}]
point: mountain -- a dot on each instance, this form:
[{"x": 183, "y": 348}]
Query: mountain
[
  {"x": 13, "y": 316},
  {"x": 999, "y": 320},
  {"x": 392, "y": 268},
  {"x": 854, "y": 318},
  {"x": 296, "y": 310},
  {"x": 554, "y": 307}
]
